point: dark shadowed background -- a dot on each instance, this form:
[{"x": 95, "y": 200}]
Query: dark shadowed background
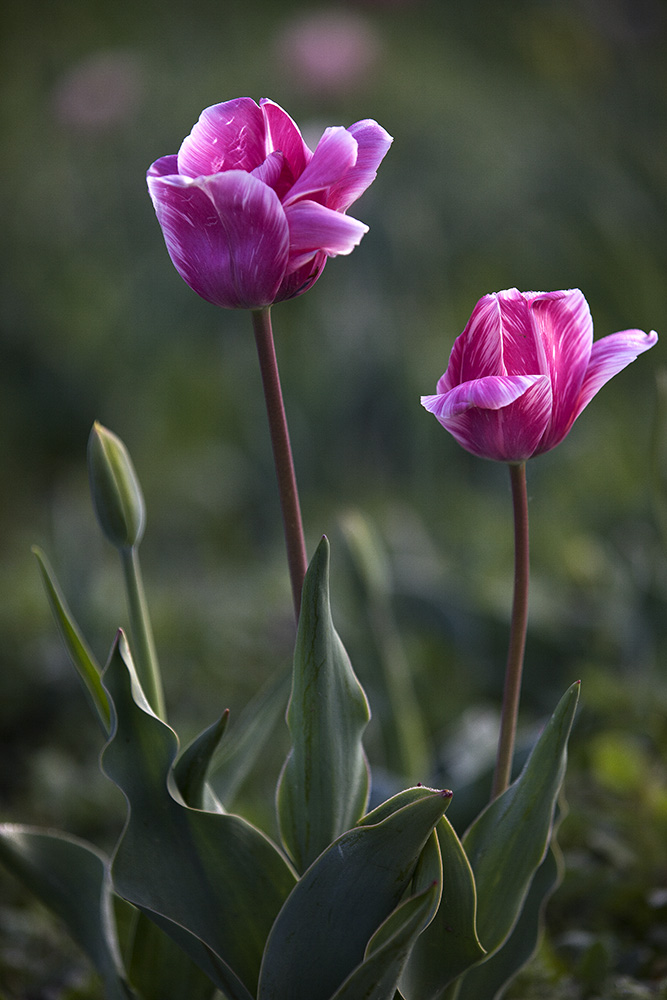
[{"x": 530, "y": 150}]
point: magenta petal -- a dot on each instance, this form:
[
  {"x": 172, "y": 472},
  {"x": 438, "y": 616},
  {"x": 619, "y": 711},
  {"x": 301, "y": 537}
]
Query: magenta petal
[
  {"x": 270, "y": 170},
  {"x": 163, "y": 167},
  {"x": 313, "y": 227},
  {"x": 373, "y": 144},
  {"x": 477, "y": 352},
  {"x": 336, "y": 152},
  {"x": 609, "y": 356},
  {"x": 284, "y": 136},
  {"x": 523, "y": 370},
  {"x": 564, "y": 330},
  {"x": 521, "y": 346},
  {"x": 228, "y": 136},
  {"x": 501, "y": 418},
  {"x": 491, "y": 393},
  {"x": 301, "y": 276},
  {"x": 227, "y": 236},
  {"x": 565, "y": 327}
]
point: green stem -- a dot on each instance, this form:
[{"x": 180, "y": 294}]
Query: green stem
[
  {"x": 143, "y": 645},
  {"x": 514, "y": 670},
  {"x": 282, "y": 454}
]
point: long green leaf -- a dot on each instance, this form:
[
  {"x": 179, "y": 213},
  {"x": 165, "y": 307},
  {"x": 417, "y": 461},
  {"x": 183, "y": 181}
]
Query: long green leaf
[
  {"x": 377, "y": 976},
  {"x": 508, "y": 841},
  {"x": 192, "y": 766},
  {"x": 220, "y": 974},
  {"x": 323, "y": 788},
  {"x": 211, "y": 880},
  {"x": 322, "y": 931},
  {"x": 490, "y": 978},
  {"x": 75, "y": 644},
  {"x": 159, "y": 969},
  {"x": 449, "y": 945},
  {"x": 389, "y": 949},
  {"x": 69, "y": 877},
  {"x": 246, "y": 736}
]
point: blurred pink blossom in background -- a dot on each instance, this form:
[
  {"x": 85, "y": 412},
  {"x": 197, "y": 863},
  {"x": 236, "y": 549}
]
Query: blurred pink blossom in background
[
  {"x": 103, "y": 90},
  {"x": 328, "y": 51}
]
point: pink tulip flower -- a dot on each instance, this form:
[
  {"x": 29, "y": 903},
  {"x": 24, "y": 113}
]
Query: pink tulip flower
[
  {"x": 249, "y": 213},
  {"x": 523, "y": 370}
]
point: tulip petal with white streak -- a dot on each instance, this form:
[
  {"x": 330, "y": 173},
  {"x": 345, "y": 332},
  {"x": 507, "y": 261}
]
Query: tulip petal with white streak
[
  {"x": 227, "y": 236},
  {"x": 523, "y": 370},
  {"x": 482, "y": 414},
  {"x": 249, "y": 213}
]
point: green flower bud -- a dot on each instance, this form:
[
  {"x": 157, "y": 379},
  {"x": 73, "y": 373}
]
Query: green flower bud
[{"x": 117, "y": 497}]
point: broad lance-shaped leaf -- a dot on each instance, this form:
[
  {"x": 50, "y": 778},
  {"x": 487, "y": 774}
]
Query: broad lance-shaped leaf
[
  {"x": 494, "y": 870},
  {"x": 377, "y": 977},
  {"x": 323, "y": 788},
  {"x": 508, "y": 841},
  {"x": 192, "y": 765},
  {"x": 388, "y": 950},
  {"x": 490, "y": 978},
  {"x": 323, "y": 930},
  {"x": 69, "y": 877},
  {"x": 158, "y": 968},
  {"x": 247, "y": 736},
  {"x": 450, "y": 944},
  {"x": 75, "y": 644},
  {"x": 212, "y": 881}
]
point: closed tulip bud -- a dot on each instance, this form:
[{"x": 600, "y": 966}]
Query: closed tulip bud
[{"x": 116, "y": 493}]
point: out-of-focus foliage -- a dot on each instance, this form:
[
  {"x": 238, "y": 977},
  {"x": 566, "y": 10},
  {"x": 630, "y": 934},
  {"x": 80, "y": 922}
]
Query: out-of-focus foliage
[{"x": 530, "y": 150}]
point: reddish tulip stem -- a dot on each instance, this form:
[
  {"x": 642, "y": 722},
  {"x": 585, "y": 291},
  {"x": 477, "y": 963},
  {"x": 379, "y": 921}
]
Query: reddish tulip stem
[
  {"x": 282, "y": 453},
  {"x": 514, "y": 670}
]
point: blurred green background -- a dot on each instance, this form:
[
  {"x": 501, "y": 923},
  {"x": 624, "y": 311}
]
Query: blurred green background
[{"x": 531, "y": 151}]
